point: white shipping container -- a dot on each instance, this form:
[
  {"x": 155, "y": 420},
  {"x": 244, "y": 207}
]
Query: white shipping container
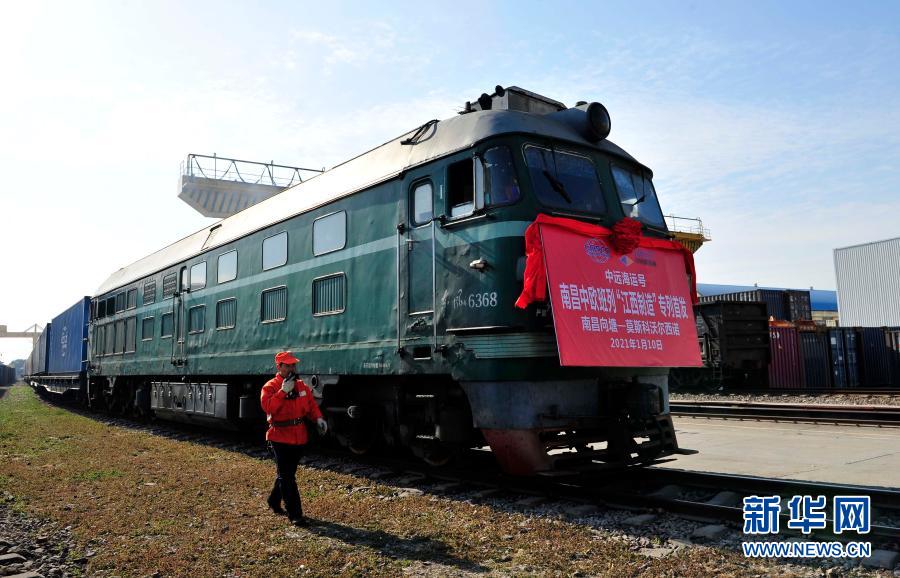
[{"x": 868, "y": 284}]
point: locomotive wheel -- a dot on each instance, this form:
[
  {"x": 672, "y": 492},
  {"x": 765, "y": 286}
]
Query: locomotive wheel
[
  {"x": 437, "y": 457},
  {"x": 360, "y": 447}
]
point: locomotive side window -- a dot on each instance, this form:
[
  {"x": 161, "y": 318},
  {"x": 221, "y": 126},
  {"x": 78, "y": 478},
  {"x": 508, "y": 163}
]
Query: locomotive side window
[
  {"x": 461, "y": 188},
  {"x": 110, "y": 339},
  {"x": 120, "y": 336},
  {"x": 198, "y": 276},
  {"x": 147, "y": 329},
  {"x": 274, "y": 251},
  {"x": 422, "y": 204},
  {"x": 329, "y": 294},
  {"x": 564, "y": 180},
  {"x": 130, "y": 334},
  {"x": 197, "y": 319},
  {"x": 110, "y": 305},
  {"x": 227, "y": 267},
  {"x": 330, "y": 233},
  {"x": 169, "y": 284},
  {"x": 149, "y": 292},
  {"x": 226, "y": 313},
  {"x": 131, "y": 299},
  {"x": 638, "y": 197},
  {"x": 273, "y": 305},
  {"x": 120, "y": 302},
  {"x": 101, "y": 309},
  {"x": 501, "y": 187},
  {"x": 167, "y": 327}
]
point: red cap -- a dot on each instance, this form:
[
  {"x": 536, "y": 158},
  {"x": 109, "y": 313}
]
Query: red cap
[{"x": 286, "y": 357}]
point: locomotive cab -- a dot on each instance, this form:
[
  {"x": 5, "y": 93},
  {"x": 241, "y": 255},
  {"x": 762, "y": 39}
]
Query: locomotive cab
[{"x": 536, "y": 415}]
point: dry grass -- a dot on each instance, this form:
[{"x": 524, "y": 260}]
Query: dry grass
[{"x": 147, "y": 504}]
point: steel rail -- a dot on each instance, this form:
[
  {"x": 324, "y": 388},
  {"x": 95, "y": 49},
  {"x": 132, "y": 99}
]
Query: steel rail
[
  {"x": 893, "y": 391},
  {"x": 631, "y": 491},
  {"x": 844, "y": 414}
]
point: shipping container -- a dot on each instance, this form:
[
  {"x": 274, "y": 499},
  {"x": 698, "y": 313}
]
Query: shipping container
[
  {"x": 814, "y": 352},
  {"x": 875, "y": 357},
  {"x": 844, "y": 357},
  {"x": 797, "y": 305},
  {"x": 851, "y": 353},
  {"x": 868, "y": 282},
  {"x": 39, "y": 363},
  {"x": 785, "y": 367},
  {"x": 7, "y": 375},
  {"x": 774, "y": 300},
  {"x": 738, "y": 333},
  {"x": 68, "y": 339},
  {"x": 892, "y": 335}
]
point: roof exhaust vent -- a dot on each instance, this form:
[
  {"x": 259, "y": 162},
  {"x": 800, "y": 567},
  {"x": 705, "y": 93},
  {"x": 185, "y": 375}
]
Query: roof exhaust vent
[{"x": 514, "y": 98}]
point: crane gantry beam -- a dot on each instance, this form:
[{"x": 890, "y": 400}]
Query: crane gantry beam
[{"x": 32, "y": 333}]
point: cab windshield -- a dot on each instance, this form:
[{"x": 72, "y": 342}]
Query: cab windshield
[
  {"x": 564, "y": 180},
  {"x": 638, "y": 197}
]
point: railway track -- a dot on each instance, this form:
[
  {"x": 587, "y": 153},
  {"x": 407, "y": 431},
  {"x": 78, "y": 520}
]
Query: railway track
[
  {"x": 745, "y": 410},
  {"x": 717, "y": 496},
  {"x": 713, "y": 498},
  {"x": 856, "y": 391}
]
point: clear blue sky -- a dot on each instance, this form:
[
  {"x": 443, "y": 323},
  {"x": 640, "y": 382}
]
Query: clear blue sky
[{"x": 777, "y": 123}]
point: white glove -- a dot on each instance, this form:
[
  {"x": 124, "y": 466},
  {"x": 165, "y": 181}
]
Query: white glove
[
  {"x": 288, "y": 386},
  {"x": 323, "y": 426}
]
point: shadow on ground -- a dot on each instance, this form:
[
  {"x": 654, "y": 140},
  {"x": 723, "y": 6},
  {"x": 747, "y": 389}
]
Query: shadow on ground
[{"x": 421, "y": 549}]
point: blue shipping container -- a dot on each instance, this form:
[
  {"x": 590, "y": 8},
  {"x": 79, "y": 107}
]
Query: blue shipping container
[
  {"x": 851, "y": 354},
  {"x": 876, "y": 357},
  {"x": 817, "y": 369},
  {"x": 68, "y": 339},
  {"x": 39, "y": 364},
  {"x": 838, "y": 363}
]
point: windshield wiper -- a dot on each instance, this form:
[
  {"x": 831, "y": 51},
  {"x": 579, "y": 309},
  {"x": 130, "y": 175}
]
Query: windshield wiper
[{"x": 557, "y": 186}]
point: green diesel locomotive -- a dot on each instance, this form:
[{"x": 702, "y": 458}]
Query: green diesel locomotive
[{"x": 393, "y": 278}]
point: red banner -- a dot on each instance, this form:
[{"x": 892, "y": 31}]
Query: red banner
[{"x": 613, "y": 310}]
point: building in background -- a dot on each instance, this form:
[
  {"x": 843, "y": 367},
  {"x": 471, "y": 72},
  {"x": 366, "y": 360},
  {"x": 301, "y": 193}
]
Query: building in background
[{"x": 868, "y": 284}]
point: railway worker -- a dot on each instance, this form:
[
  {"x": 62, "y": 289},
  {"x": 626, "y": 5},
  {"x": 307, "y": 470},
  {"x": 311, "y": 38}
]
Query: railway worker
[{"x": 287, "y": 401}]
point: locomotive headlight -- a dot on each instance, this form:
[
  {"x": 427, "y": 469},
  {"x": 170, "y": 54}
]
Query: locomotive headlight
[
  {"x": 598, "y": 122},
  {"x": 590, "y": 120}
]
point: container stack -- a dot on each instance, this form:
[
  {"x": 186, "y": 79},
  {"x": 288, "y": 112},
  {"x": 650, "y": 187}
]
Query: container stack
[
  {"x": 781, "y": 304},
  {"x": 799, "y": 354}
]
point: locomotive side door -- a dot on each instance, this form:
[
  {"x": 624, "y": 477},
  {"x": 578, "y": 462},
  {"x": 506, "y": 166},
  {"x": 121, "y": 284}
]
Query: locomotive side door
[
  {"x": 179, "y": 315},
  {"x": 417, "y": 253}
]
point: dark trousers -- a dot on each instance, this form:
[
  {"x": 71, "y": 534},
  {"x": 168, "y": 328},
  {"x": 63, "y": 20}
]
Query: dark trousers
[{"x": 287, "y": 456}]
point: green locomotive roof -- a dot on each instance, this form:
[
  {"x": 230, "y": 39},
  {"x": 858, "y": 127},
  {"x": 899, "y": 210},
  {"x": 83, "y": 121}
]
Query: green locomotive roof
[{"x": 380, "y": 164}]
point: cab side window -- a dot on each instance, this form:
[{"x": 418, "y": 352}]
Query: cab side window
[
  {"x": 461, "y": 188},
  {"x": 501, "y": 187},
  {"x": 422, "y": 204}
]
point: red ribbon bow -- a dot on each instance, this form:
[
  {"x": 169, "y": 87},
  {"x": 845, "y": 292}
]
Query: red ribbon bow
[{"x": 625, "y": 236}]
